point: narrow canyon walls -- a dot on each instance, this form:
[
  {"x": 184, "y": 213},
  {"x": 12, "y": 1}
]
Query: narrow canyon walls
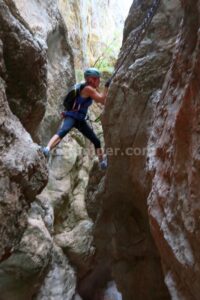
[{"x": 122, "y": 232}]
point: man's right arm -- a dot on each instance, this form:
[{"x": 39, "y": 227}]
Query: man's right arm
[{"x": 96, "y": 96}]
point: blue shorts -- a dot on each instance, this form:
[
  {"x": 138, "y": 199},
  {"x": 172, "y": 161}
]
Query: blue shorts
[{"x": 82, "y": 126}]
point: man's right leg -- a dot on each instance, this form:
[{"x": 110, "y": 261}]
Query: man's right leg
[
  {"x": 66, "y": 126},
  {"x": 88, "y": 132}
]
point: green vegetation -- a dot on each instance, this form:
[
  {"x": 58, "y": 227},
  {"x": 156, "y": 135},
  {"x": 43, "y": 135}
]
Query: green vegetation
[{"x": 106, "y": 61}]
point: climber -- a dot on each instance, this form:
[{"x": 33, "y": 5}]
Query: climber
[{"x": 76, "y": 117}]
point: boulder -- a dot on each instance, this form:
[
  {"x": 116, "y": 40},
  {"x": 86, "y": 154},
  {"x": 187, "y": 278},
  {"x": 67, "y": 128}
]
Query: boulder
[{"x": 23, "y": 176}]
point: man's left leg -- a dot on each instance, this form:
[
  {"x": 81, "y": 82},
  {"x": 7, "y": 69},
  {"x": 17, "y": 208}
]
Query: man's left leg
[{"x": 87, "y": 131}]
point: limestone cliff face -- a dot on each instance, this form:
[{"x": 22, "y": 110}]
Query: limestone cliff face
[
  {"x": 47, "y": 25},
  {"x": 94, "y": 26},
  {"x": 57, "y": 232},
  {"x": 53, "y": 246},
  {"x": 25, "y": 86},
  {"x": 126, "y": 249},
  {"x": 23, "y": 171},
  {"x": 23, "y": 175},
  {"x": 173, "y": 202},
  {"x": 30, "y": 70}
]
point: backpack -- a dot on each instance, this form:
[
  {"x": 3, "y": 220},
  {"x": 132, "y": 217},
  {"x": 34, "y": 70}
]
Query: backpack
[{"x": 69, "y": 100}]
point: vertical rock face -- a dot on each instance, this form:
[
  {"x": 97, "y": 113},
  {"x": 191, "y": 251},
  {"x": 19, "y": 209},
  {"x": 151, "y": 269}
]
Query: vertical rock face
[
  {"x": 174, "y": 164},
  {"x": 34, "y": 31},
  {"x": 38, "y": 252},
  {"x": 23, "y": 175},
  {"x": 34, "y": 58},
  {"x": 60, "y": 210},
  {"x": 25, "y": 63},
  {"x": 92, "y": 25},
  {"x": 122, "y": 231},
  {"x": 67, "y": 219},
  {"x": 48, "y": 28},
  {"x": 23, "y": 171}
]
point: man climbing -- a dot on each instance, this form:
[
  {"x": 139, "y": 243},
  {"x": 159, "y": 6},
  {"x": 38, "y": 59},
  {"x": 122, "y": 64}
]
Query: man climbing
[{"x": 75, "y": 118}]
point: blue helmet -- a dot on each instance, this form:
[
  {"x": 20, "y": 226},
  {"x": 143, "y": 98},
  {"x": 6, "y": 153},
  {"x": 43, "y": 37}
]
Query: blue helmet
[{"x": 93, "y": 72}]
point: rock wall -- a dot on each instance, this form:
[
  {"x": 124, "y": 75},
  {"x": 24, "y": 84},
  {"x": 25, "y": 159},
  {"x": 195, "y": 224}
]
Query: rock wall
[
  {"x": 173, "y": 202},
  {"x": 23, "y": 175},
  {"x": 94, "y": 27},
  {"x": 125, "y": 247},
  {"x": 53, "y": 246},
  {"x": 25, "y": 85},
  {"x": 47, "y": 25},
  {"x": 31, "y": 69},
  {"x": 23, "y": 168}
]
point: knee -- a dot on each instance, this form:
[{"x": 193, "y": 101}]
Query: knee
[{"x": 61, "y": 133}]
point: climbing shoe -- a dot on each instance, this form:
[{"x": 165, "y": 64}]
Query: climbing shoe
[
  {"x": 103, "y": 164},
  {"x": 46, "y": 152}
]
